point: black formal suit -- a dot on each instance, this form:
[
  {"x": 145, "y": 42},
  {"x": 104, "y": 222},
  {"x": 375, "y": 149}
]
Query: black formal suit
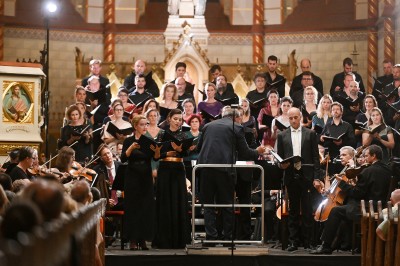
[
  {"x": 150, "y": 87},
  {"x": 215, "y": 147},
  {"x": 189, "y": 87},
  {"x": 279, "y": 86},
  {"x": 296, "y": 84},
  {"x": 299, "y": 183},
  {"x": 338, "y": 80},
  {"x": 103, "y": 81},
  {"x": 373, "y": 184},
  {"x": 103, "y": 184}
]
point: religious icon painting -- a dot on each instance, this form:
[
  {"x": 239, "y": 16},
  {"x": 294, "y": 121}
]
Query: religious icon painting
[{"x": 18, "y": 101}]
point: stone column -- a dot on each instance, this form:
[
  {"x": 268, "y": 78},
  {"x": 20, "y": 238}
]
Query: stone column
[
  {"x": 109, "y": 30},
  {"x": 258, "y": 31},
  {"x": 389, "y": 41},
  {"x": 372, "y": 66},
  {"x": 388, "y": 30},
  {"x": 1, "y": 31}
]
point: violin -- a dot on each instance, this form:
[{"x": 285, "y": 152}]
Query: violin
[{"x": 78, "y": 171}]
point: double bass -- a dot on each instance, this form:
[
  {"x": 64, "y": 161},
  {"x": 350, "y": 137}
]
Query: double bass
[{"x": 335, "y": 196}]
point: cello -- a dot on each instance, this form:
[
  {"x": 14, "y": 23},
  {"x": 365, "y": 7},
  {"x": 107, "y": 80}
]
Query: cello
[{"x": 335, "y": 196}]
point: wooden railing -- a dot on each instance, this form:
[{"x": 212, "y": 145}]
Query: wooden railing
[
  {"x": 375, "y": 251},
  {"x": 69, "y": 241}
]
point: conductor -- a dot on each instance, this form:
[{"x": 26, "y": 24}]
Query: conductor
[{"x": 217, "y": 184}]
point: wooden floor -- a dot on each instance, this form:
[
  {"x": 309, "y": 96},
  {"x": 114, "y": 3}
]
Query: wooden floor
[{"x": 219, "y": 256}]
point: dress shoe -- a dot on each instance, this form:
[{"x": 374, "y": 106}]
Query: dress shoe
[
  {"x": 142, "y": 245},
  {"x": 292, "y": 248},
  {"x": 109, "y": 240},
  {"x": 322, "y": 250},
  {"x": 133, "y": 245}
]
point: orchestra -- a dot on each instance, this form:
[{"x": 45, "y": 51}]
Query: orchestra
[{"x": 332, "y": 149}]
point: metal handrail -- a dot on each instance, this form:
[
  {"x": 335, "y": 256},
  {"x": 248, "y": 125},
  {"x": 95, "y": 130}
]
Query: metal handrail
[{"x": 226, "y": 205}]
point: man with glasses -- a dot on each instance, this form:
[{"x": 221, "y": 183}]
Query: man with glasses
[
  {"x": 300, "y": 176},
  {"x": 298, "y": 96},
  {"x": 305, "y": 66}
]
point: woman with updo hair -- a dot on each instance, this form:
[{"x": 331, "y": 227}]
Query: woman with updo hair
[
  {"x": 72, "y": 132},
  {"x": 139, "y": 204}
]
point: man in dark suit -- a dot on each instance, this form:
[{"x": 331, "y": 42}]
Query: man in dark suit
[
  {"x": 274, "y": 80},
  {"x": 95, "y": 68},
  {"x": 139, "y": 68},
  {"x": 305, "y": 65},
  {"x": 337, "y": 82},
  {"x": 217, "y": 185},
  {"x": 180, "y": 71},
  {"x": 106, "y": 172},
  {"x": 299, "y": 176},
  {"x": 373, "y": 184}
]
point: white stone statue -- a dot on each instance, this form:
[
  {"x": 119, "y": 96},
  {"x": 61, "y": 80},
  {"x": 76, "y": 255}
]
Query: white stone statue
[
  {"x": 199, "y": 7},
  {"x": 173, "y": 7}
]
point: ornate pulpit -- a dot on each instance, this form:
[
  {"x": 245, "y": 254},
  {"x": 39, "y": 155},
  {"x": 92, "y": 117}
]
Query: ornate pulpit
[{"x": 20, "y": 121}]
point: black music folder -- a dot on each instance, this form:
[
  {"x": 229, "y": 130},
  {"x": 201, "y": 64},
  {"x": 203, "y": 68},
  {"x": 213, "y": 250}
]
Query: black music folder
[
  {"x": 113, "y": 130},
  {"x": 334, "y": 138},
  {"x": 374, "y": 130},
  {"x": 99, "y": 95},
  {"x": 280, "y": 126},
  {"x": 274, "y": 83},
  {"x": 77, "y": 130},
  {"x": 186, "y": 143},
  {"x": 349, "y": 102},
  {"x": 207, "y": 115},
  {"x": 306, "y": 114},
  {"x": 139, "y": 104},
  {"x": 257, "y": 103},
  {"x": 267, "y": 120},
  {"x": 360, "y": 125},
  {"x": 318, "y": 129},
  {"x": 146, "y": 143},
  {"x": 164, "y": 112},
  {"x": 228, "y": 101},
  {"x": 387, "y": 95},
  {"x": 291, "y": 159},
  {"x": 392, "y": 107}
]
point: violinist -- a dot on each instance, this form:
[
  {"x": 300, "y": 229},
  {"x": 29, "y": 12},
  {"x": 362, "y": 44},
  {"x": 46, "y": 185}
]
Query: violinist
[
  {"x": 383, "y": 137},
  {"x": 77, "y": 130},
  {"x": 64, "y": 163},
  {"x": 26, "y": 159},
  {"x": 373, "y": 184},
  {"x": 13, "y": 161}
]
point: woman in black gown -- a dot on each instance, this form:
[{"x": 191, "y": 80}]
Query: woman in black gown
[
  {"x": 171, "y": 197},
  {"x": 139, "y": 204}
]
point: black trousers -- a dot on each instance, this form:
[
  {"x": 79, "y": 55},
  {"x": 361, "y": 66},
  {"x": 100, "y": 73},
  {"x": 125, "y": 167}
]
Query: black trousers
[
  {"x": 217, "y": 187},
  {"x": 299, "y": 192},
  {"x": 337, "y": 216},
  {"x": 243, "y": 192}
]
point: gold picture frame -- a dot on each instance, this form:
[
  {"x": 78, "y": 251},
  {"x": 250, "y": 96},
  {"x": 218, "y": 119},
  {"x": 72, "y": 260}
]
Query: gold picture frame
[{"x": 18, "y": 102}]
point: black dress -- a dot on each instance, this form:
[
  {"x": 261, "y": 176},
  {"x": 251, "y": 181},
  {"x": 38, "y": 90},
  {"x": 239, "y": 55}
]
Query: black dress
[
  {"x": 171, "y": 204},
  {"x": 82, "y": 149},
  {"x": 139, "y": 203}
]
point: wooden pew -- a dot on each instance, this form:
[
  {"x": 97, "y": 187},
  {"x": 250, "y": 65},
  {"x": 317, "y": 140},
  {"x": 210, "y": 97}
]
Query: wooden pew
[
  {"x": 369, "y": 259},
  {"x": 390, "y": 241},
  {"x": 364, "y": 233},
  {"x": 379, "y": 243}
]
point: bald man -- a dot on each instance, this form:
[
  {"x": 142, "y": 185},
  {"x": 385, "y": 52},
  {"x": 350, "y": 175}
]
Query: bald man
[
  {"x": 300, "y": 177},
  {"x": 381, "y": 230},
  {"x": 305, "y": 65},
  {"x": 140, "y": 68}
]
